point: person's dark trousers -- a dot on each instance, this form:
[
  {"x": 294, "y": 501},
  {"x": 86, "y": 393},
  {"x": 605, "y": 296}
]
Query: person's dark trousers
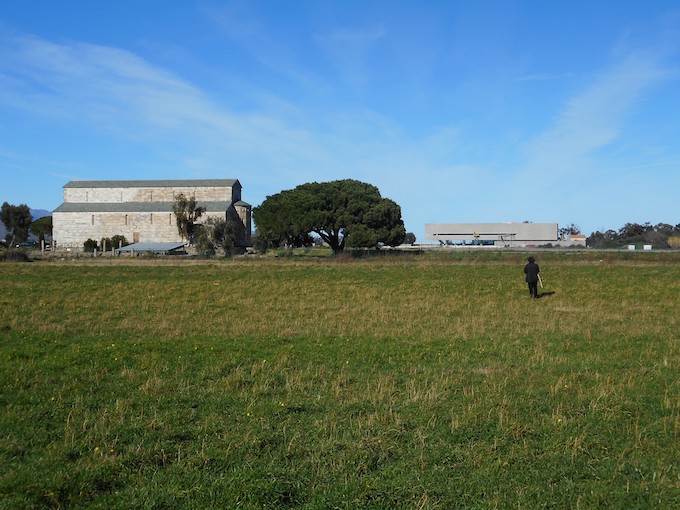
[{"x": 533, "y": 289}]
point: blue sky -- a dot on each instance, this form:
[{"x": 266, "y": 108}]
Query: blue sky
[{"x": 460, "y": 111}]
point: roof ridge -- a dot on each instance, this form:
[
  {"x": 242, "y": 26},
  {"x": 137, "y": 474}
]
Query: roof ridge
[{"x": 153, "y": 183}]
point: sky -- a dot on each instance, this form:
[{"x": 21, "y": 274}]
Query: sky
[{"x": 460, "y": 111}]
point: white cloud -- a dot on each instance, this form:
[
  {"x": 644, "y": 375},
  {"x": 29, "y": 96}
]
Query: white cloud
[{"x": 112, "y": 90}]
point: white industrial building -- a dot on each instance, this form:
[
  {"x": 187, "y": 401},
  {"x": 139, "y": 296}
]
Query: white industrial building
[{"x": 493, "y": 234}]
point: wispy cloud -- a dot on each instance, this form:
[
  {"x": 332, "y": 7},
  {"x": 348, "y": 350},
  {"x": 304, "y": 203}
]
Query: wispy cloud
[
  {"x": 112, "y": 90},
  {"x": 561, "y": 172},
  {"x": 117, "y": 94},
  {"x": 241, "y": 22},
  {"x": 349, "y": 50},
  {"x": 592, "y": 119},
  {"x": 93, "y": 83},
  {"x": 236, "y": 18}
]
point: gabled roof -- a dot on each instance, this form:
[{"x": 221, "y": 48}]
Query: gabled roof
[
  {"x": 123, "y": 207},
  {"x": 165, "y": 183}
]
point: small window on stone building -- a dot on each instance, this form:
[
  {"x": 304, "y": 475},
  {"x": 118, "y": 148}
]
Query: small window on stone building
[
  {"x": 126, "y": 219},
  {"x": 93, "y": 219},
  {"x": 151, "y": 218},
  {"x": 169, "y": 219}
]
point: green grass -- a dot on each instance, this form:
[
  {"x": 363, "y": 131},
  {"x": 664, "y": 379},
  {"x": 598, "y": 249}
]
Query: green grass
[{"x": 429, "y": 381}]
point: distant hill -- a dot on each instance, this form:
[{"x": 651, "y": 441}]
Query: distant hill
[
  {"x": 36, "y": 213},
  {"x": 39, "y": 213}
]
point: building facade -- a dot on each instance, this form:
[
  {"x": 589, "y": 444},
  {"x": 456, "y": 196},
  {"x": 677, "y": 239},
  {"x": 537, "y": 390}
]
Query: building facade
[
  {"x": 496, "y": 234},
  {"x": 141, "y": 211}
]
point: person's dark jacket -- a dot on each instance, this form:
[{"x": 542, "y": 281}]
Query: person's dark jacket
[{"x": 531, "y": 270}]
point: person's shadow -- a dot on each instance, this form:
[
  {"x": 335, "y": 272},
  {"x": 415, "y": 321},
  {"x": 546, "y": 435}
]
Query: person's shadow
[{"x": 543, "y": 294}]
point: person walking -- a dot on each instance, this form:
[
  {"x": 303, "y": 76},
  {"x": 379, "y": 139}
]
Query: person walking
[{"x": 531, "y": 270}]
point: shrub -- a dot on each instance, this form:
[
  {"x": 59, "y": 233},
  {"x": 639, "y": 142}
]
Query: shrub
[
  {"x": 118, "y": 241},
  {"x": 112, "y": 243},
  {"x": 203, "y": 242},
  {"x": 15, "y": 256},
  {"x": 260, "y": 243},
  {"x": 105, "y": 243},
  {"x": 89, "y": 246}
]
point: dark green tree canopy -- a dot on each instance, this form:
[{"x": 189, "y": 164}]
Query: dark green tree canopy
[
  {"x": 42, "y": 227},
  {"x": 343, "y": 213},
  {"x": 17, "y": 220}
]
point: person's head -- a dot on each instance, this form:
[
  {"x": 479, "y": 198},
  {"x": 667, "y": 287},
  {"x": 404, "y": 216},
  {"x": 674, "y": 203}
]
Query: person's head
[{"x": 532, "y": 260}]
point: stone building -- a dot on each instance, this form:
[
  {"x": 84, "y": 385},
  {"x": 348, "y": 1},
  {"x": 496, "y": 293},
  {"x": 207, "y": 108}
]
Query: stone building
[{"x": 142, "y": 210}]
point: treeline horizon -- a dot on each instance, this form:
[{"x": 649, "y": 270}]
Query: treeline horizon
[{"x": 660, "y": 236}]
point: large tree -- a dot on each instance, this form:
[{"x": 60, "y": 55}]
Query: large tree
[
  {"x": 17, "y": 220},
  {"x": 343, "y": 213},
  {"x": 275, "y": 219},
  {"x": 186, "y": 213}
]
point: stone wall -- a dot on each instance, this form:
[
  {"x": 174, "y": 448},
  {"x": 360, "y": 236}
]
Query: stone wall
[
  {"x": 141, "y": 213},
  {"x": 150, "y": 194},
  {"x": 71, "y": 230}
]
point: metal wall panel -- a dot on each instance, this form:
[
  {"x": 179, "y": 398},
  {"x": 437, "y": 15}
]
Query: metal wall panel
[{"x": 523, "y": 232}]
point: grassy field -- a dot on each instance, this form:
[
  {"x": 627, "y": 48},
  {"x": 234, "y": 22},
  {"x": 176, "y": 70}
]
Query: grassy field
[{"x": 424, "y": 382}]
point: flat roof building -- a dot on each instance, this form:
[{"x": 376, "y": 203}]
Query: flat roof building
[{"x": 496, "y": 234}]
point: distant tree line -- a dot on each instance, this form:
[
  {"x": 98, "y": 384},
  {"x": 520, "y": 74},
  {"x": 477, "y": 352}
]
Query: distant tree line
[
  {"x": 330, "y": 210},
  {"x": 660, "y": 236},
  {"x": 18, "y": 222}
]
